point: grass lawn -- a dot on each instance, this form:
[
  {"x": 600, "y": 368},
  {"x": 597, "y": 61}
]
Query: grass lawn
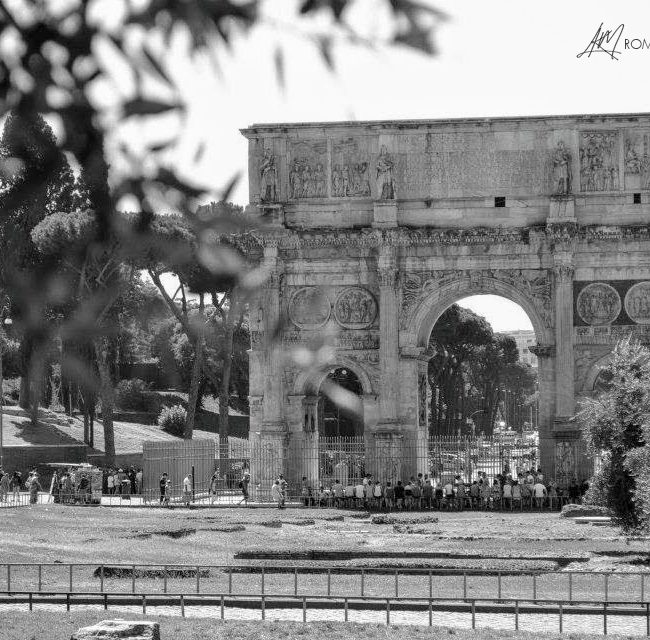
[
  {"x": 104, "y": 535},
  {"x": 61, "y": 625}
]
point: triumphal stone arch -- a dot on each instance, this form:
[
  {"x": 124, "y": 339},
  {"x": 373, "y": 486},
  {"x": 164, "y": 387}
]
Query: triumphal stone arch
[{"x": 377, "y": 227}]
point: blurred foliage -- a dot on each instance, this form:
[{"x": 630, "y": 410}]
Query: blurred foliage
[
  {"x": 173, "y": 420},
  {"x": 69, "y": 258},
  {"x": 616, "y": 426}
]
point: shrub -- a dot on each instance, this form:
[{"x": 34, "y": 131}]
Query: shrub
[
  {"x": 131, "y": 395},
  {"x": 172, "y": 420}
]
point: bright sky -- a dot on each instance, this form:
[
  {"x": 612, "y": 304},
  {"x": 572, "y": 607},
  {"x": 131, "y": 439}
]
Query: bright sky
[{"x": 496, "y": 58}]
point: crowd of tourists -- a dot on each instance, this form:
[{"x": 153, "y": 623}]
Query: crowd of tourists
[
  {"x": 527, "y": 491},
  {"x": 123, "y": 483},
  {"x": 12, "y": 483},
  {"x": 71, "y": 486}
]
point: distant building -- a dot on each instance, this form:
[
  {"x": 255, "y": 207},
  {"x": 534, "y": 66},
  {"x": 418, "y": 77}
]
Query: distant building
[{"x": 524, "y": 338}]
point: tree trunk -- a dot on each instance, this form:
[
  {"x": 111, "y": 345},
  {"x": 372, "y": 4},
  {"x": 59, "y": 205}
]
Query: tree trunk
[
  {"x": 195, "y": 382},
  {"x": 108, "y": 401},
  {"x": 25, "y": 357},
  {"x": 224, "y": 392}
]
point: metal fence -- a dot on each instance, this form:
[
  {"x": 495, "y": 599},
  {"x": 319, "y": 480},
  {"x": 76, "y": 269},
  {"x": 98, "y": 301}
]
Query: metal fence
[
  {"x": 311, "y": 465},
  {"x": 453, "y": 584}
]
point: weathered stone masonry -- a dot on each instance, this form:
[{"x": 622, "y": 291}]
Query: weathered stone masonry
[{"x": 379, "y": 226}]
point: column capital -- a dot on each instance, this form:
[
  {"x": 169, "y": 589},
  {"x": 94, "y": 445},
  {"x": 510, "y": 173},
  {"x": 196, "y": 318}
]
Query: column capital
[
  {"x": 543, "y": 350},
  {"x": 564, "y": 271}
]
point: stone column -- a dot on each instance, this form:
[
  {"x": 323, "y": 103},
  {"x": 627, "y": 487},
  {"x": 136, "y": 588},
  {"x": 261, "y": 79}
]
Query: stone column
[
  {"x": 270, "y": 444},
  {"x": 388, "y": 336},
  {"x": 546, "y": 386},
  {"x": 564, "y": 360},
  {"x": 310, "y": 449}
]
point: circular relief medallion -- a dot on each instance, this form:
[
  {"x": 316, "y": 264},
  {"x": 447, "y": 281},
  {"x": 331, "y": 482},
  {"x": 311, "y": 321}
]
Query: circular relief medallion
[
  {"x": 599, "y": 304},
  {"x": 309, "y": 308},
  {"x": 637, "y": 303},
  {"x": 355, "y": 308}
]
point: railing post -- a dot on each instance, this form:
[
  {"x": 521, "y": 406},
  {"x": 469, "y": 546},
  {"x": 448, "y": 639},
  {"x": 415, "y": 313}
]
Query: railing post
[
  {"x": 535, "y": 588},
  {"x": 144, "y": 604},
  {"x": 9, "y": 578},
  {"x": 499, "y": 584},
  {"x": 165, "y": 579},
  {"x": 304, "y": 609},
  {"x": 295, "y": 581},
  {"x": 40, "y": 581},
  {"x": 606, "y": 587},
  {"x": 643, "y": 589},
  {"x": 430, "y": 613},
  {"x": 30, "y": 601},
  {"x": 263, "y": 607},
  {"x": 101, "y": 578},
  {"x": 230, "y": 580},
  {"x": 570, "y": 586},
  {"x": 473, "y": 614},
  {"x": 560, "y": 604},
  {"x": 182, "y": 606},
  {"x": 70, "y": 589},
  {"x": 222, "y": 611},
  {"x": 387, "y": 612},
  {"x": 363, "y": 579},
  {"x": 647, "y": 618},
  {"x": 198, "y": 579},
  {"x": 345, "y": 606},
  {"x": 329, "y": 582},
  {"x": 396, "y": 584},
  {"x": 464, "y": 586},
  {"x": 262, "y": 580},
  {"x": 605, "y": 618},
  {"x": 105, "y": 602},
  {"x": 430, "y": 585},
  {"x": 516, "y": 615},
  {"x": 133, "y": 579},
  {"x": 67, "y": 602}
]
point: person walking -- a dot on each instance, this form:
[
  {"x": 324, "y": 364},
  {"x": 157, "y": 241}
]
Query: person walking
[
  {"x": 244, "y": 484},
  {"x": 283, "y": 490},
  {"x": 276, "y": 493},
  {"x": 214, "y": 486}
]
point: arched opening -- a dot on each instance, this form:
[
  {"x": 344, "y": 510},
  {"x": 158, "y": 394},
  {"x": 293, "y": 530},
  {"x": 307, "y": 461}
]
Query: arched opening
[
  {"x": 342, "y": 408},
  {"x": 482, "y": 375}
]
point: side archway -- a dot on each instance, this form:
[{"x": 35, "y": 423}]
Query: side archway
[
  {"x": 589, "y": 381},
  {"x": 309, "y": 381}
]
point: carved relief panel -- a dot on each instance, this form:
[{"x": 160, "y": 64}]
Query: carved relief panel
[
  {"x": 308, "y": 169},
  {"x": 637, "y": 303},
  {"x": 598, "y": 303},
  {"x": 637, "y": 160},
  {"x": 352, "y": 308},
  {"x": 599, "y": 161},
  {"x": 350, "y": 169}
]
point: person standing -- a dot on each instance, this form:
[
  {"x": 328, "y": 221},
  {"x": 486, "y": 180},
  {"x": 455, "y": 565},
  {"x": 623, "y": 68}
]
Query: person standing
[
  {"x": 4, "y": 487},
  {"x": 244, "y": 484},
  {"x": 164, "y": 498},
  {"x": 110, "y": 482},
  {"x": 283, "y": 490},
  {"x": 138, "y": 481},
  {"x": 15, "y": 485},
  {"x": 187, "y": 489},
  {"x": 34, "y": 488}
]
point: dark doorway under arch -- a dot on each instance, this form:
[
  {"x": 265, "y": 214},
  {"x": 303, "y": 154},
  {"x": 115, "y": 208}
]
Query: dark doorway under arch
[{"x": 338, "y": 419}]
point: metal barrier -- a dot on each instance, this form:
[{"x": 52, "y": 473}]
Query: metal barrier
[
  {"x": 336, "y": 581},
  {"x": 516, "y": 606}
]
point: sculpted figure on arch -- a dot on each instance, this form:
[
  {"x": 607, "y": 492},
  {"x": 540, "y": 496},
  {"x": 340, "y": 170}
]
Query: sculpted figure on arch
[
  {"x": 561, "y": 170},
  {"x": 385, "y": 181}
]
